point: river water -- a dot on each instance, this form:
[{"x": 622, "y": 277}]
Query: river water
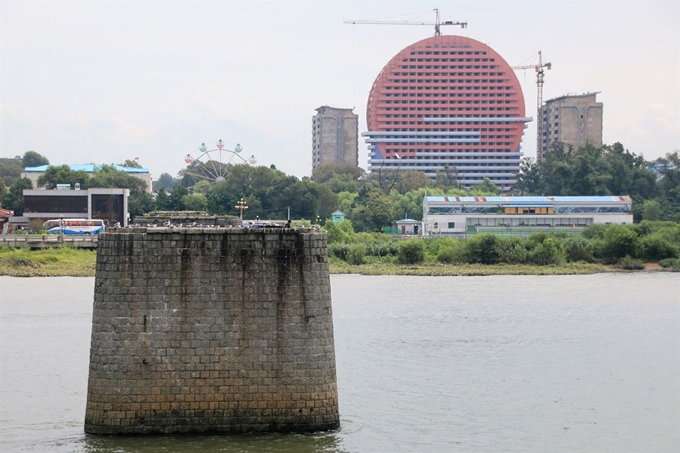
[{"x": 425, "y": 364}]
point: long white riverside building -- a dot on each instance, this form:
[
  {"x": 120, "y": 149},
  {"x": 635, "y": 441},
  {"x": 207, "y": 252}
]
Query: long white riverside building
[{"x": 459, "y": 215}]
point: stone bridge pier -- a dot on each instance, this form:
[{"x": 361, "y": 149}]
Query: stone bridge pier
[{"x": 220, "y": 330}]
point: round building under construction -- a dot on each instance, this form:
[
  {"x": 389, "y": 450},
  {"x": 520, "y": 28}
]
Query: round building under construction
[{"x": 447, "y": 104}]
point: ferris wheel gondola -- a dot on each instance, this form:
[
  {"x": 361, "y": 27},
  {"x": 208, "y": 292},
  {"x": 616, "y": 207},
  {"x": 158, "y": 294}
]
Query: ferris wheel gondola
[{"x": 213, "y": 165}]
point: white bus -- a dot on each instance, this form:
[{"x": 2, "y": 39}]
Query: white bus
[{"x": 74, "y": 226}]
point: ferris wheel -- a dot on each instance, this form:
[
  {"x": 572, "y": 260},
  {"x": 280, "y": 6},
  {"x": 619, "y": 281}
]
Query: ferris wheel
[{"x": 213, "y": 165}]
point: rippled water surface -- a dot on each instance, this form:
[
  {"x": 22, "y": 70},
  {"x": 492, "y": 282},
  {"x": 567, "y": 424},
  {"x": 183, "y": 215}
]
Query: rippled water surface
[{"x": 425, "y": 364}]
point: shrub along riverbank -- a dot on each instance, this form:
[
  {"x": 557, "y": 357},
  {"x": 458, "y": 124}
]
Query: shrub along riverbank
[
  {"x": 602, "y": 248},
  {"x": 618, "y": 246}
]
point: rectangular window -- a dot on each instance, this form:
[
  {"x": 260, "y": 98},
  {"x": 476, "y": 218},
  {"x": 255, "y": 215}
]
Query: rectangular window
[
  {"x": 452, "y": 225},
  {"x": 56, "y": 204}
]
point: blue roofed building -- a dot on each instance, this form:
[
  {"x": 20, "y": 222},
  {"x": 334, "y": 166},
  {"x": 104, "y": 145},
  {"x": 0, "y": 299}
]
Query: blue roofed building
[
  {"x": 521, "y": 216},
  {"x": 33, "y": 173}
]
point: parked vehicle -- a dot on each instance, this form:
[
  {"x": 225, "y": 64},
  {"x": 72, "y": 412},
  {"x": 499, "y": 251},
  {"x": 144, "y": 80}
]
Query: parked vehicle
[{"x": 74, "y": 226}]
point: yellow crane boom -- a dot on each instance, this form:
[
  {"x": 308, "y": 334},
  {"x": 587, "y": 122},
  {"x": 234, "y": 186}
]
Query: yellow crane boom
[{"x": 539, "y": 97}]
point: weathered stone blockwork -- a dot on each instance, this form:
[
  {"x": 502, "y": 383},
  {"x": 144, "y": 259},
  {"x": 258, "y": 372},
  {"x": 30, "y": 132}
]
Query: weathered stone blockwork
[{"x": 215, "y": 330}]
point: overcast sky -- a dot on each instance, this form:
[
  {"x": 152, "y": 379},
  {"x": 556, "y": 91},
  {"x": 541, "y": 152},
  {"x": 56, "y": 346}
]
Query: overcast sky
[{"x": 104, "y": 81}]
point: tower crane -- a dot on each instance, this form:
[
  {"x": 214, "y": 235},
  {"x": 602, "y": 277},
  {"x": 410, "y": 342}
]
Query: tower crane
[
  {"x": 539, "y": 98},
  {"x": 437, "y": 23}
]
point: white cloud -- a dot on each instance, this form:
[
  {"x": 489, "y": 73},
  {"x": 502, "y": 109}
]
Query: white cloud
[{"x": 131, "y": 129}]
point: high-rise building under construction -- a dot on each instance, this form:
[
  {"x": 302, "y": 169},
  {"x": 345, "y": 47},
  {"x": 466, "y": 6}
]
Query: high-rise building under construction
[
  {"x": 335, "y": 137},
  {"x": 447, "y": 104},
  {"x": 574, "y": 120}
]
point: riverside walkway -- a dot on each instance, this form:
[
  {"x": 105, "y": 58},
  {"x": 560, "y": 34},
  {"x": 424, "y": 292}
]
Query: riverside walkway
[{"x": 39, "y": 241}]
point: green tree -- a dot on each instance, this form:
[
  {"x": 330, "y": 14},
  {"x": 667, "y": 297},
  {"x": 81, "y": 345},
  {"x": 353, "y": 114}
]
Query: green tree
[
  {"x": 10, "y": 169},
  {"x": 578, "y": 248},
  {"x": 346, "y": 201},
  {"x": 195, "y": 202},
  {"x": 107, "y": 176},
  {"x": 669, "y": 170},
  {"x": 448, "y": 178},
  {"x": 376, "y": 212},
  {"x": 587, "y": 170},
  {"x": 546, "y": 252},
  {"x": 220, "y": 199},
  {"x": 340, "y": 182},
  {"x": 339, "y": 232},
  {"x": 628, "y": 174},
  {"x": 33, "y": 159},
  {"x": 620, "y": 241},
  {"x": 178, "y": 192},
  {"x": 140, "y": 202},
  {"x": 482, "y": 248},
  {"x": 327, "y": 172},
  {"x": 411, "y": 180},
  {"x": 511, "y": 249},
  {"x": 409, "y": 205},
  {"x": 164, "y": 182},
  {"x": 14, "y": 197},
  {"x": 386, "y": 179},
  {"x": 324, "y": 200},
  {"x": 669, "y": 186},
  {"x": 62, "y": 174},
  {"x": 411, "y": 251},
  {"x": 163, "y": 201},
  {"x": 529, "y": 177},
  {"x": 356, "y": 254},
  {"x": 651, "y": 210},
  {"x": 656, "y": 247},
  {"x": 486, "y": 187}
]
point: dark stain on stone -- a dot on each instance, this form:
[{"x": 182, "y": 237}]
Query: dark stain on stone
[
  {"x": 283, "y": 259},
  {"x": 300, "y": 254},
  {"x": 224, "y": 245}
]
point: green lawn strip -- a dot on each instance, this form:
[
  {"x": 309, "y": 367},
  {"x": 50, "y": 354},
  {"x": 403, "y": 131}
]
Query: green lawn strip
[{"x": 53, "y": 262}]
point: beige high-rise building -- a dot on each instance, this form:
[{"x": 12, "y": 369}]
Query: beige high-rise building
[
  {"x": 335, "y": 137},
  {"x": 572, "y": 119}
]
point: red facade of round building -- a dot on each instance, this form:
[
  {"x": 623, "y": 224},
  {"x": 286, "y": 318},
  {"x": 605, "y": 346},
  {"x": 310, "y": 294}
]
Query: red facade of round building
[{"x": 443, "y": 102}]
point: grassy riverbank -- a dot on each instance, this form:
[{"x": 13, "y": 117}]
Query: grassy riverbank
[
  {"x": 436, "y": 269},
  {"x": 52, "y": 262},
  {"x": 66, "y": 261},
  {"x": 70, "y": 262}
]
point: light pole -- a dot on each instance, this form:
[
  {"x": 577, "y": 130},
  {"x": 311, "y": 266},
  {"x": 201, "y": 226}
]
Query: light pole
[{"x": 241, "y": 205}]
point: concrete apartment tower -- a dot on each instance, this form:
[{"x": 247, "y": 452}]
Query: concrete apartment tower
[
  {"x": 335, "y": 137},
  {"x": 575, "y": 120}
]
